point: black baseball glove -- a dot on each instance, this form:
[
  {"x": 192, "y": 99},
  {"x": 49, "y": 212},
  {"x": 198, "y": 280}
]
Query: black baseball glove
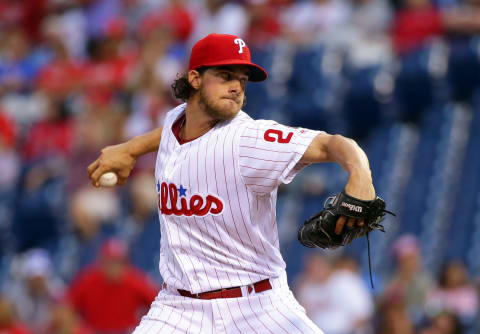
[{"x": 319, "y": 230}]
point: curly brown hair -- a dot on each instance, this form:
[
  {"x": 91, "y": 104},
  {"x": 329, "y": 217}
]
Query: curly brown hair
[{"x": 182, "y": 89}]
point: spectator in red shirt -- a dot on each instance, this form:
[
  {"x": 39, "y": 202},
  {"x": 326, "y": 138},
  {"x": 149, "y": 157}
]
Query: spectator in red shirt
[
  {"x": 9, "y": 161},
  {"x": 112, "y": 295},
  {"x": 8, "y": 131},
  {"x": 52, "y": 136},
  {"x": 264, "y": 24},
  {"x": 414, "y": 24},
  {"x": 63, "y": 75},
  {"x": 27, "y": 14},
  {"x": 175, "y": 16}
]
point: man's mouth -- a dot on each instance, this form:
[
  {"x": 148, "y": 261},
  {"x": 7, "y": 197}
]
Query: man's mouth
[{"x": 233, "y": 99}]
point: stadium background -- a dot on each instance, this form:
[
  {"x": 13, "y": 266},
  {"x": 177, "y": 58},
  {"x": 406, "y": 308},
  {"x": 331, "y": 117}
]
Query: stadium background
[{"x": 400, "y": 77}]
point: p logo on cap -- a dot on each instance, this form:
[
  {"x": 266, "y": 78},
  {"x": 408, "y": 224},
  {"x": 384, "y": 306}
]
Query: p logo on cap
[
  {"x": 222, "y": 50},
  {"x": 241, "y": 44}
]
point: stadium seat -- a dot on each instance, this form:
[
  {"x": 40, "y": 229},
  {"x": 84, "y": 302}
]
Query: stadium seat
[
  {"x": 464, "y": 67},
  {"x": 314, "y": 88},
  {"x": 420, "y": 80}
]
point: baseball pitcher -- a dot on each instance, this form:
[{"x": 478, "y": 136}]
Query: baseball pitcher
[{"x": 217, "y": 173}]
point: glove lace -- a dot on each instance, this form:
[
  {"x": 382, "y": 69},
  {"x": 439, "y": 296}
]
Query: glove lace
[
  {"x": 374, "y": 226},
  {"x": 369, "y": 262}
]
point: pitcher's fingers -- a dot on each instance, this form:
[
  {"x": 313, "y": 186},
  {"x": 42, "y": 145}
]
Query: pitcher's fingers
[
  {"x": 360, "y": 222},
  {"x": 91, "y": 168},
  {"x": 97, "y": 174},
  {"x": 339, "y": 226},
  {"x": 351, "y": 222}
]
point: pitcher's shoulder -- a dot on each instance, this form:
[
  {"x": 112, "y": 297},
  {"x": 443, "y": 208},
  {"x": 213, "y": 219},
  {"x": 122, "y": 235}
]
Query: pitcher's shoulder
[
  {"x": 173, "y": 114},
  {"x": 242, "y": 119}
]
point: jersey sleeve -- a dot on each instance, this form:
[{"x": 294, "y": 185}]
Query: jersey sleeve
[{"x": 270, "y": 152}]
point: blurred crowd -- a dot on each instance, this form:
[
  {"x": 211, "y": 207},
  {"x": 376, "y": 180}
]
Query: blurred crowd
[
  {"x": 336, "y": 297},
  {"x": 78, "y": 75}
]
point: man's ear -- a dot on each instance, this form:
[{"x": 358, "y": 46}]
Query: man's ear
[{"x": 194, "y": 78}]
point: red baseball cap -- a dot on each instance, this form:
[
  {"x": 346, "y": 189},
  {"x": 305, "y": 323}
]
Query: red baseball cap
[
  {"x": 222, "y": 49},
  {"x": 114, "y": 249}
]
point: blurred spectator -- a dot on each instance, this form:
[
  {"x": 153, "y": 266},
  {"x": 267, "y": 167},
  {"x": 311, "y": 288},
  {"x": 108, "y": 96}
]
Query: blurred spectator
[
  {"x": 161, "y": 52},
  {"x": 455, "y": 293},
  {"x": 368, "y": 63},
  {"x": 410, "y": 284},
  {"x": 10, "y": 167},
  {"x": 12, "y": 13},
  {"x": 311, "y": 21},
  {"x": 8, "y": 321},
  {"x": 112, "y": 295},
  {"x": 9, "y": 162},
  {"x": 464, "y": 18},
  {"x": 39, "y": 204},
  {"x": 92, "y": 213},
  {"x": 18, "y": 63},
  {"x": 324, "y": 289},
  {"x": 99, "y": 13},
  {"x": 141, "y": 230},
  {"x": 52, "y": 136},
  {"x": 364, "y": 34},
  {"x": 393, "y": 317},
  {"x": 68, "y": 22},
  {"x": 221, "y": 17},
  {"x": 135, "y": 10},
  {"x": 111, "y": 62},
  {"x": 371, "y": 16},
  {"x": 27, "y": 14},
  {"x": 415, "y": 23},
  {"x": 175, "y": 15},
  {"x": 463, "y": 24},
  {"x": 161, "y": 60},
  {"x": 33, "y": 287},
  {"x": 264, "y": 25},
  {"x": 346, "y": 283},
  {"x": 63, "y": 74},
  {"x": 64, "y": 320},
  {"x": 312, "y": 284},
  {"x": 443, "y": 323}
]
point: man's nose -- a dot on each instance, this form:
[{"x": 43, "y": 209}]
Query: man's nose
[{"x": 235, "y": 86}]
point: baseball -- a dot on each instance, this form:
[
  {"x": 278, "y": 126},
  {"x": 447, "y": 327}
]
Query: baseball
[{"x": 108, "y": 179}]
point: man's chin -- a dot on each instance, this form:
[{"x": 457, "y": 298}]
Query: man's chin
[
  {"x": 226, "y": 115},
  {"x": 226, "y": 111},
  {"x": 222, "y": 110}
]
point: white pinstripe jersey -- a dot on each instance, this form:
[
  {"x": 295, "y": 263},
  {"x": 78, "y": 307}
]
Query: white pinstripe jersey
[{"x": 217, "y": 201}]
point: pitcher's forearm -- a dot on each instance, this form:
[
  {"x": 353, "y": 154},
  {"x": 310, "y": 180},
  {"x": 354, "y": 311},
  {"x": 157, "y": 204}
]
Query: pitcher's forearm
[
  {"x": 345, "y": 152},
  {"x": 353, "y": 159},
  {"x": 145, "y": 143},
  {"x": 339, "y": 149},
  {"x": 349, "y": 155},
  {"x": 121, "y": 158}
]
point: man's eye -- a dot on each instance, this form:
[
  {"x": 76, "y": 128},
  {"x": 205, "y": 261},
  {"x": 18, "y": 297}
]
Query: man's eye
[{"x": 226, "y": 76}]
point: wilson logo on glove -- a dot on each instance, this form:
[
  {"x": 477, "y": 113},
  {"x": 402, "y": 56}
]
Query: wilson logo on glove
[{"x": 352, "y": 207}]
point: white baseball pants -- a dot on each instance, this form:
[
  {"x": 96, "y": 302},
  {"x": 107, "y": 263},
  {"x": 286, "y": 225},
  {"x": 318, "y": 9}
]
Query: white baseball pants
[{"x": 273, "y": 311}]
